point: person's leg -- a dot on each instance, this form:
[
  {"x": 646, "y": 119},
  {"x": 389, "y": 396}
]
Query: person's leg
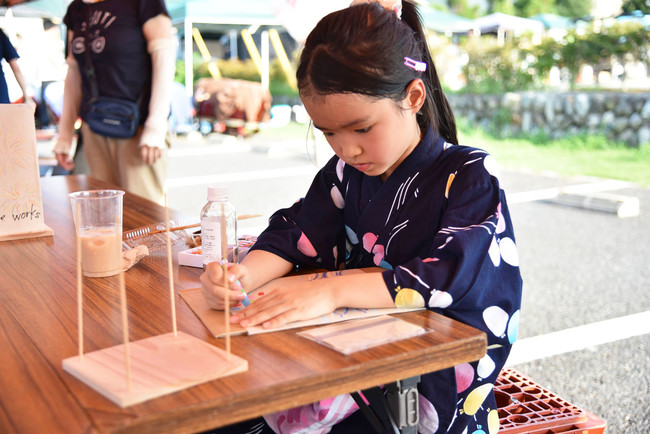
[
  {"x": 137, "y": 177},
  {"x": 101, "y": 156}
]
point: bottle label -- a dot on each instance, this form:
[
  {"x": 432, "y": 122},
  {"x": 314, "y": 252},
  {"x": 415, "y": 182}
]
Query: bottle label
[{"x": 211, "y": 239}]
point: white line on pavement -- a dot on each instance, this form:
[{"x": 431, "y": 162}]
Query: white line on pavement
[
  {"x": 241, "y": 176},
  {"x": 579, "y": 338},
  {"x": 550, "y": 193},
  {"x": 209, "y": 150}
]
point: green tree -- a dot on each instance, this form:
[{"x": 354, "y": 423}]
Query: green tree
[
  {"x": 623, "y": 42},
  {"x": 494, "y": 68},
  {"x": 573, "y": 8},
  {"x": 527, "y": 8},
  {"x": 503, "y": 6},
  {"x": 630, "y": 6},
  {"x": 463, "y": 8}
]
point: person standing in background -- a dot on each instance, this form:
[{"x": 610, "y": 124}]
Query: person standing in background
[
  {"x": 9, "y": 53},
  {"x": 133, "y": 53}
]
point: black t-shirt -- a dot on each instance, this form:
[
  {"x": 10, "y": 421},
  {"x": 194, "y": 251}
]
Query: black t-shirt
[
  {"x": 117, "y": 46},
  {"x": 7, "y": 52}
]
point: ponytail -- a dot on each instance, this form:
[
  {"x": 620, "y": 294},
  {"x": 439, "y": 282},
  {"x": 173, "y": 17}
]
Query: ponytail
[{"x": 436, "y": 111}]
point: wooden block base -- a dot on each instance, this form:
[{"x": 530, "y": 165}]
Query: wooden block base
[
  {"x": 46, "y": 232},
  {"x": 160, "y": 365}
]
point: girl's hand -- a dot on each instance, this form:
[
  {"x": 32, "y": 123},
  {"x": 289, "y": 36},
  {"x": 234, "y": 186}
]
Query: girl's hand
[
  {"x": 212, "y": 284},
  {"x": 293, "y": 301}
]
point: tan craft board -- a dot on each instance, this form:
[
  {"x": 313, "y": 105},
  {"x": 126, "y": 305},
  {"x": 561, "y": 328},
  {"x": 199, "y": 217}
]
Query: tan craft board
[
  {"x": 214, "y": 320},
  {"x": 155, "y": 369}
]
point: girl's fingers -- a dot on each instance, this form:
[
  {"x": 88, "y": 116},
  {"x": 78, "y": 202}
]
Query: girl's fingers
[{"x": 270, "y": 316}]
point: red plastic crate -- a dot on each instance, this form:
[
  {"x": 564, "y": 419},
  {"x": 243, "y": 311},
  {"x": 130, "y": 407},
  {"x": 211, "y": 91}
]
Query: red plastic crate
[
  {"x": 526, "y": 407},
  {"x": 591, "y": 424}
]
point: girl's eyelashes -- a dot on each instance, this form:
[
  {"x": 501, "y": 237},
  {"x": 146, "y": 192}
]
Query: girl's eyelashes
[
  {"x": 323, "y": 132},
  {"x": 358, "y": 130}
]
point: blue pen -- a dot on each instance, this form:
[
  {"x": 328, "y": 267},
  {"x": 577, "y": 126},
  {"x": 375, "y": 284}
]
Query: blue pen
[{"x": 246, "y": 301}]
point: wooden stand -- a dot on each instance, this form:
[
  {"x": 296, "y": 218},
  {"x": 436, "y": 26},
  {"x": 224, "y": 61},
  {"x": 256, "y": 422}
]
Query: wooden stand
[
  {"x": 155, "y": 366},
  {"x": 160, "y": 365}
]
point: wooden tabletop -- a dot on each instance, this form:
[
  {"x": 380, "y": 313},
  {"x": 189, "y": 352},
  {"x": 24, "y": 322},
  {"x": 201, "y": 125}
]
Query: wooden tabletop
[{"x": 38, "y": 329}]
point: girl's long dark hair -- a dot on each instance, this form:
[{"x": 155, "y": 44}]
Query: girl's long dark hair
[{"x": 361, "y": 49}]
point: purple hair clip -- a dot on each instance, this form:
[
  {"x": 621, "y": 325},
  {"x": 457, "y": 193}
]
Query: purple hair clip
[{"x": 415, "y": 64}]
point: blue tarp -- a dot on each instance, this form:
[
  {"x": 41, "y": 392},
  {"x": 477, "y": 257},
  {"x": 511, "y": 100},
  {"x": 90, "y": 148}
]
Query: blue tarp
[
  {"x": 445, "y": 22},
  {"x": 552, "y": 21},
  {"x": 39, "y": 8},
  {"x": 237, "y": 12}
]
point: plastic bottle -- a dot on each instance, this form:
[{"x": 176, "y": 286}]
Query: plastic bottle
[{"x": 218, "y": 210}]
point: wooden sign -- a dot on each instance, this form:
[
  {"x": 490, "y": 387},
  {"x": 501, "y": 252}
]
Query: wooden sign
[{"x": 21, "y": 204}]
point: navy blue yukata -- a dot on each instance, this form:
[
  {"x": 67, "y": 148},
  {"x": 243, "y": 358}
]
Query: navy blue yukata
[{"x": 440, "y": 227}]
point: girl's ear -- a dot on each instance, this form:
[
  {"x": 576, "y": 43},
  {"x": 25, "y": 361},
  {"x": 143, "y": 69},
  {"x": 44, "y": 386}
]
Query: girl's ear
[{"x": 415, "y": 96}]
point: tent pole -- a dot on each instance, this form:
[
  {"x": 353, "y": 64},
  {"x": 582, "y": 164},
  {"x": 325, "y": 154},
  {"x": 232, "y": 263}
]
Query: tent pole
[
  {"x": 189, "y": 59},
  {"x": 284, "y": 59},
  {"x": 264, "y": 72}
]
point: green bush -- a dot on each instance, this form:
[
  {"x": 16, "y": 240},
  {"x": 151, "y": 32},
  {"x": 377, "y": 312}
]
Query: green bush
[
  {"x": 494, "y": 68},
  {"x": 239, "y": 69},
  {"x": 519, "y": 65}
]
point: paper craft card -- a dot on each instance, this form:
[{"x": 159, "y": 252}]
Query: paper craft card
[
  {"x": 360, "y": 334},
  {"x": 21, "y": 204},
  {"x": 339, "y": 315},
  {"x": 215, "y": 322}
]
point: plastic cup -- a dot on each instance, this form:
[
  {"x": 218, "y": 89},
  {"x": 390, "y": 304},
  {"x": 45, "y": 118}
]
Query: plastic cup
[{"x": 98, "y": 222}]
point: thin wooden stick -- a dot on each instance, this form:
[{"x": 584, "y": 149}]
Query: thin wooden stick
[
  {"x": 196, "y": 225},
  {"x": 169, "y": 268},
  {"x": 80, "y": 316},
  {"x": 224, "y": 262},
  {"x": 178, "y": 228},
  {"x": 125, "y": 320},
  {"x": 248, "y": 216},
  {"x": 125, "y": 331},
  {"x": 227, "y": 308}
]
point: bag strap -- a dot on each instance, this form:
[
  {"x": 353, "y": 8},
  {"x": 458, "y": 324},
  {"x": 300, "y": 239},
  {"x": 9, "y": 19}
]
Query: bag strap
[{"x": 89, "y": 70}]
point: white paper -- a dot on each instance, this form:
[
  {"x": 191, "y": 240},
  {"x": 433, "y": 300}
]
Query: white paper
[{"x": 360, "y": 334}]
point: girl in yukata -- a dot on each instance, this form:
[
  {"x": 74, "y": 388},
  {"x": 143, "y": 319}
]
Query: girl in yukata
[{"x": 400, "y": 194}]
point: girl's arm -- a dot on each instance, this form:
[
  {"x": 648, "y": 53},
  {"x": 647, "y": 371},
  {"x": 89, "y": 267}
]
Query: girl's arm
[
  {"x": 290, "y": 301},
  {"x": 294, "y": 301}
]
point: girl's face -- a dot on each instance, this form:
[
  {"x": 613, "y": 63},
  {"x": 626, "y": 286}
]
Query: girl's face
[{"x": 372, "y": 135}]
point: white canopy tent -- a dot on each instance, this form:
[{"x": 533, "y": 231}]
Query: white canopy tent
[
  {"x": 501, "y": 24},
  {"x": 297, "y": 17}
]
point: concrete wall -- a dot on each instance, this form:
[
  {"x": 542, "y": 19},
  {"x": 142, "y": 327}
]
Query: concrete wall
[{"x": 621, "y": 116}]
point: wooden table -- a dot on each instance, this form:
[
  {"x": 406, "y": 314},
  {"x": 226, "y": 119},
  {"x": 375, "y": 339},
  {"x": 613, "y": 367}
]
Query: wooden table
[{"x": 38, "y": 329}]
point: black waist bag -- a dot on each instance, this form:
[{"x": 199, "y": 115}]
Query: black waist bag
[{"x": 112, "y": 117}]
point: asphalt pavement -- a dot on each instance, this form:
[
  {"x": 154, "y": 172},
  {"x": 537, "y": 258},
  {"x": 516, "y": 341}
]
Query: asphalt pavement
[{"x": 585, "y": 321}]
